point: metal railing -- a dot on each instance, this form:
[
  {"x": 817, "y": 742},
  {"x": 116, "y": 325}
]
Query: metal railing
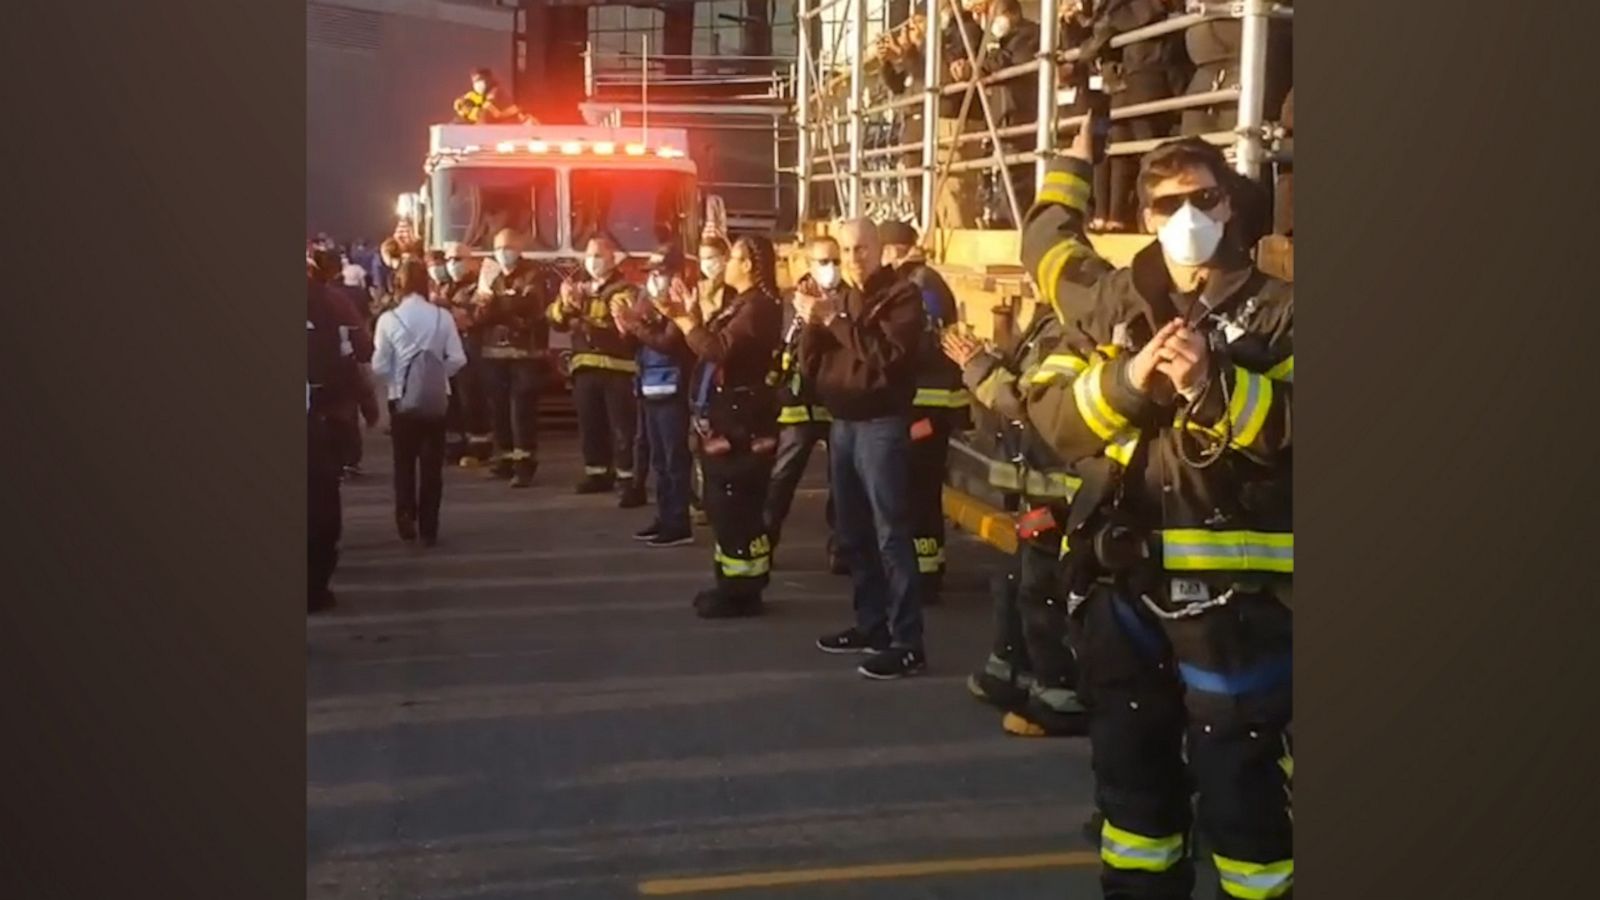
[{"x": 823, "y": 104}]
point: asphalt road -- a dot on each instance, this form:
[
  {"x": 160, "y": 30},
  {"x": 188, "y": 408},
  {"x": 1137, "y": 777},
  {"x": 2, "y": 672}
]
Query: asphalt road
[{"x": 531, "y": 710}]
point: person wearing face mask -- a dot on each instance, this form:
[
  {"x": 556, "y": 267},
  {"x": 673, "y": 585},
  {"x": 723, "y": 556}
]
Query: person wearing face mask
[
  {"x": 355, "y": 343},
  {"x": 941, "y": 406},
  {"x": 514, "y": 344},
  {"x": 1013, "y": 40},
  {"x": 664, "y": 362},
  {"x": 471, "y": 106},
  {"x": 603, "y": 369},
  {"x": 735, "y": 412},
  {"x": 803, "y": 422},
  {"x": 861, "y": 344},
  {"x": 1180, "y": 542},
  {"x": 711, "y": 295},
  {"x": 468, "y": 387}
]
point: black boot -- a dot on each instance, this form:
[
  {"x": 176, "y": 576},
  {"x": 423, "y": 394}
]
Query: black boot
[
  {"x": 594, "y": 484},
  {"x": 523, "y": 473},
  {"x": 631, "y": 494},
  {"x": 714, "y": 604}
]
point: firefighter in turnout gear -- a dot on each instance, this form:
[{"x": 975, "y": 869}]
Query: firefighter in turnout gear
[
  {"x": 940, "y": 408},
  {"x": 735, "y": 421},
  {"x": 1031, "y": 672},
  {"x": 514, "y": 345},
  {"x": 803, "y": 422},
  {"x": 603, "y": 370},
  {"x": 1180, "y": 541},
  {"x": 468, "y": 393}
]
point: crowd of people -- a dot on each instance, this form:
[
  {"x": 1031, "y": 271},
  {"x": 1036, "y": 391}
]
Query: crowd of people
[
  {"x": 1148, "y": 409},
  {"x": 979, "y": 38}
]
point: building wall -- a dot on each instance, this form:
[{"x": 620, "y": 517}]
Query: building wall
[{"x": 378, "y": 73}]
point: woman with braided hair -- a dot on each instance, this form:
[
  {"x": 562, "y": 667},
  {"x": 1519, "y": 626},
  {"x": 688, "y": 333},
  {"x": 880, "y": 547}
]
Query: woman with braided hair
[{"x": 735, "y": 420}]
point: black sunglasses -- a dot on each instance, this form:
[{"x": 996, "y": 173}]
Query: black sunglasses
[{"x": 1204, "y": 199}]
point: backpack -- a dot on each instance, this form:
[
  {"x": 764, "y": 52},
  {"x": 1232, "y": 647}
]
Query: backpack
[{"x": 424, "y": 381}]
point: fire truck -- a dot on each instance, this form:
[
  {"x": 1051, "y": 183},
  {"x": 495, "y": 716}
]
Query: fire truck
[{"x": 558, "y": 186}]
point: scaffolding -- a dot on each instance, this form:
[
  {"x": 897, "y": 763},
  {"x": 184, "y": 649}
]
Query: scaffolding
[{"x": 839, "y": 120}]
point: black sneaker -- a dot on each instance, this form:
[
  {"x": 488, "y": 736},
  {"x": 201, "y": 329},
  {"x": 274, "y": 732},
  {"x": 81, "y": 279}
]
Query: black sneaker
[
  {"x": 648, "y": 533},
  {"x": 851, "y": 640},
  {"x": 670, "y": 539},
  {"x": 632, "y": 497},
  {"x": 894, "y": 663}
]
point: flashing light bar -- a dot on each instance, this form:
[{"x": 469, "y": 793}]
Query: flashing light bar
[{"x": 575, "y": 148}]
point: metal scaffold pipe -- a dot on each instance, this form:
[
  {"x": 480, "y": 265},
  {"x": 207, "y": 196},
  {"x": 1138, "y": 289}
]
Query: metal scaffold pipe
[
  {"x": 858, "y": 97},
  {"x": 802, "y": 112},
  {"x": 930, "y": 112},
  {"x": 1045, "y": 138},
  {"x": 1252, "y": 86}
]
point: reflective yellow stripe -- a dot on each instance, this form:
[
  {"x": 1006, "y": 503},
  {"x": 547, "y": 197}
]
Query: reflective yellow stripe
[
  {"x": 1254, "y": 881},
  {"x": 797, "y": 415},
  {"x": 1283, "y": 371},
  {"x": 1057, "y": 364},
  {"x": 1104, "y": 421},
  {"x": 1247, "y": 408},
  {"x": 930, "y": 565},
  {"x": 601, "y": 361},
  {"x": 1199, "y": 549},
  {"x": 941, "y": 398},
  {"x": 1053, "y": 264},
  {"x": 1125, "y": 850},
  {"x": 1073, "y": 190},
  {"x": 1121, "y": 450},
  {"x": 743, "y": 568}
]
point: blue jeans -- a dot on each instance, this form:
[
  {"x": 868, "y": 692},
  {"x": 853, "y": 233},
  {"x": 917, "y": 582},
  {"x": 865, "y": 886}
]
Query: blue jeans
[
  {"x": 667, "y": 424},
  {"x": 871, "y": 494}
]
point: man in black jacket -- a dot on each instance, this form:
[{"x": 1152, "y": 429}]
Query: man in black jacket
[
  {"x": 516, "y": 338},
  {"x": 940, "y": 407},
  {"x": 863, "y": 350}
]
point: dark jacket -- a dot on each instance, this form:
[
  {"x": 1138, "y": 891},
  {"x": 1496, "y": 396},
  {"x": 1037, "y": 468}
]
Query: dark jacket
[
  {"x": 735, "y": 351},
  {"x": 330, "y": 375},
  {"x": 511, "y": 323},
  {"x": 797, "y": 394},
  {"x": 1146, "y": 70},
  {"x": 1231, "y": 519},
  {"x": 1015, "y": 102},
  {"x": 864, "y": 362},
  {"x": 596, "y": 343},
  {"x": 939, "y": 387}
]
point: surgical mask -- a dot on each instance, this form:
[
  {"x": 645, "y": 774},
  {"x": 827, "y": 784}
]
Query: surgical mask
[
  {"x": 456, "y": 268},
  {"x": 656, "y": 284},
  {"x": 827, "y": 276},
  {"x": 507, "y": 258},
  {"x": 1190, "y": 237},
  {"x": 598, "y": 267},
  {"x": 1000, "y": 27},
  {"x": 712, "y": 268},
  {"x": 439, "y": 273}
]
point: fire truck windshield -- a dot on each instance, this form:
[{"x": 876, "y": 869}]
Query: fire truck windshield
[
  {"x": 640, "y": 209},
  {"x": 473, "y": 204}
]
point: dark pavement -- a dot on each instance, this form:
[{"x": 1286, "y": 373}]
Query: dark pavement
[{"x": 531, "y": 710}]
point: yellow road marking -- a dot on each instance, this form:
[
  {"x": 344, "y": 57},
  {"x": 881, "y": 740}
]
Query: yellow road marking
[
  {"x": 994, "y": 527},
  {"x": 668, "y": 886}
]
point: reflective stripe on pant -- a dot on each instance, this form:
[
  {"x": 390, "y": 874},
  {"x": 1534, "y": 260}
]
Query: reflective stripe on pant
[
  {"x": 512, "y": 387},
  {"x": 928, "y": 458},
  {"x": 1233, "y": 704},
  {"x": 606, "y": 420},
  {"x": 735, "y": 485}
]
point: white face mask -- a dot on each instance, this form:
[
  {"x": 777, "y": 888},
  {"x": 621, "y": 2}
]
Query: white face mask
[
  {"x": 439, "y": 273},
  {"x": 456, "y": 269},
  {"x": 827, "y": 276},
  {"x": 712, "y": 268},
  {"x": 1000, "y": 27},
  {"x": 598, "y": 267},
  {"x": 656, "y": 284},
  {"x": 1190, "y": 237},
  {"x": 507, "y": 258}
]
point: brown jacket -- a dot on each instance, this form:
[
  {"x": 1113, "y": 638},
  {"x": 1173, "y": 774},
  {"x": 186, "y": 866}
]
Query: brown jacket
[{"x": 864, "y": 363}]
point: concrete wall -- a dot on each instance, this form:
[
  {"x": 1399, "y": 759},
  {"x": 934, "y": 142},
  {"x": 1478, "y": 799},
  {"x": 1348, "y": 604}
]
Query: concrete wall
[{"x": 378, "y": 73}]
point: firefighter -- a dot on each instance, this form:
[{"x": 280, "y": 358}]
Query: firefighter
[
  {"x": 514, "y": 335},
  {"x": 1180, "y": 545},
  {"x": 467, "y": 389},
  {"x": 1030, "y": 672},
  {"x": 603, "y": 370},
  {"x": 940, "y": 407},
  {"x": 711, "y": 295},
  {"x": 735, "y": 421},
  {"x": 471, "y": 106},
  {"x": 803, "y": 422}
]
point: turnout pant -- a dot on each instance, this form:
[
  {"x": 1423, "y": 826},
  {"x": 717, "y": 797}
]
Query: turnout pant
[
  {"x": 513, "y": 388},
  {"x": 929, "y": 456},
  {"x": 1217, "y": 685},
  {"x": 871, "y": 488},
  {"x": 1032, "y": 646},
  {"x": 324, "y": 517},
  {"x": 667, "y": 423},
  {"x": 795, "y": 443},
  {"x": 606, "y": 421},
  {"x": 418, "y": 470},
  {"x": 735, "y": 484},
  {"x": 469, "y": 406}
]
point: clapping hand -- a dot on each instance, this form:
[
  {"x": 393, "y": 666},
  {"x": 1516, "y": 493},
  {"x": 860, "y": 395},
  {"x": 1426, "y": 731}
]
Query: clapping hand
[
  {"x": 961, "y": 348},
  {"x": 674, "y": 301},
  {"x": 1185, "y": 358}
]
